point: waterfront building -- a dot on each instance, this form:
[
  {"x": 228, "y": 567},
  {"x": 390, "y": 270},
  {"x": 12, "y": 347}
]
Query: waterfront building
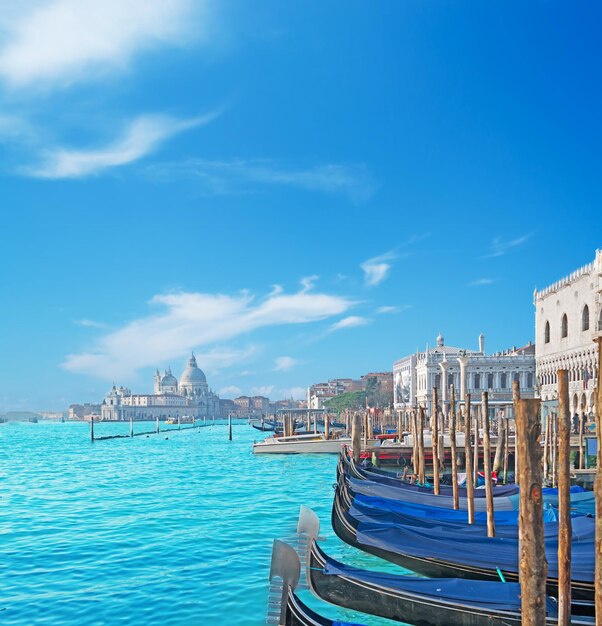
[
  {"x": 252, "y": 405},
  {"x": 79, "y": 411},
  {"x": 470, "y": 371},
  {"x": 188, "y": 397},
  {"x": 568, "y": 316},
  {"x": 319, "y": 393}
]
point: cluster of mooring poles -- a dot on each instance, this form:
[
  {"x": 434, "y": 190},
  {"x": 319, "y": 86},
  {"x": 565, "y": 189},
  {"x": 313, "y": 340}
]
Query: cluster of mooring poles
[{"x": 535, "y": 460}]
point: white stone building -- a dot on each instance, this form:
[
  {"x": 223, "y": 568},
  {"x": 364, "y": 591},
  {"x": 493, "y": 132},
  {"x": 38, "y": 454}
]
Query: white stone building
[
  {"x": 568, "y": 316},
  {"x": 190, "y": 397},
  {"x": 470, "y": 371}
]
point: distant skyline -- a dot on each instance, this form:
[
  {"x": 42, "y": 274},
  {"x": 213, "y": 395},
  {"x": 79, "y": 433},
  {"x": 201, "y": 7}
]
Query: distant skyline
[{"x": 295, "y": 191}]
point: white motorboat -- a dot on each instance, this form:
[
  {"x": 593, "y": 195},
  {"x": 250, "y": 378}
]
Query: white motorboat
[{"x": 311, "y": 443}]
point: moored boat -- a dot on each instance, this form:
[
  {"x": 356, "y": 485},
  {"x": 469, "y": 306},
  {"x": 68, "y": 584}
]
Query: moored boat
[
  {"x": 439, "y": 552},
  {"x": 413, "y": 600},
  {"x": 284, "y": 606},
  {"x": 311, "y": 443}
]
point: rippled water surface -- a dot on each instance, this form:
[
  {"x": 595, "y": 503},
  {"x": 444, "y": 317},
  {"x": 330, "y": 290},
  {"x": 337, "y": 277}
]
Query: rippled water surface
[{"x": 170, "y": 529}]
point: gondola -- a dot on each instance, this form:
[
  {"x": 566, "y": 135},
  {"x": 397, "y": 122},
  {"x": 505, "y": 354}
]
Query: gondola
[
  {"x": 371, "y": 482},
  {"x": 452, "y": 554},
  {"x": 263, "y": 427},
  {"x": 418, "y": 601},
  {"x": 396, "y": 489},
  {"x": 285, "y": 607},
  {"x": 381, "y": 510}
]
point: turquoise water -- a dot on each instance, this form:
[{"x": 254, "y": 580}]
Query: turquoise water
[{"x": 174, "y": 529}]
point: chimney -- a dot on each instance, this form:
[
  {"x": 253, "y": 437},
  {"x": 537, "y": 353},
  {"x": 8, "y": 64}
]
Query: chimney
[{"x": 482, "y": 343}]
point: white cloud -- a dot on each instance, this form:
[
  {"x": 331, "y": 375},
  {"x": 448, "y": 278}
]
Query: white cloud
[
  {"x": 59, "y": 42},
  {"x": 480, "y": 282},
  {"x": 232, "y": 390},
  {"x": 191, "y": 320},
  {"x": 264, "y": 390},
  {"x": 141, "y": 137},
  {"x": 392, "y": 309},
  {"x": 308, "y": 282},
  {"x": 284, "y": 363},
  {"x": 350, "y": 322},
  {"x": 377, "y": 268},
  {"x": 500, "y": 247},
  {"x": 244, "y": 175}
]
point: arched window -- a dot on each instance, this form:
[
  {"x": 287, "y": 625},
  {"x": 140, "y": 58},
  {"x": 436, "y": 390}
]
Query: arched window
[
  {"x": 490, "y": 381},
  {"x": 437, "y": 380},
  {"x": 600, "y": 321},
  {"x": 477, "y": 381},
  {"x": 547, "y": 333},
  {"x": 503, "y": 381},
  {"x": 450, "y": 379},
  {"x": 585, "y": 318},
  {"x": 516, "y": 377},
  {"x": 564, "y": 327}
]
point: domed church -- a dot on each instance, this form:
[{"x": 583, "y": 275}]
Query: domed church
[{"x": 188, "y": 397}]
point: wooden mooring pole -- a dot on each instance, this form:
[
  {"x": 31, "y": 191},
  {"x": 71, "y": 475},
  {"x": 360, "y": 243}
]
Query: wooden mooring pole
[
  {"x": 468, "y": 460},
  {"x": 507, "y": 446},
  {"x": 229, "y": 427},
  {"x": 475, "y": 451},
  {"x": 515, "y": 399},
  {"x": 415, "y": 461},
  {"x": 356, "y": 437},
  {"x": 499, "y": 446},
  {"x": 546, "y": 449},
  {"x": 598, "y": 490},
  {"x": 91, "y": 427},
  {"x": 131, "y": 425},
  {"x": 487, "y": 464},
  {"x": 435, "y": 441},
  {"x": 157, "y": 428},
  {"x": 452, "y": 442},
  {"x": 565, "y": 529},
  {"x": 421, "y": 478},
  {"x": 533, "y": 565}
]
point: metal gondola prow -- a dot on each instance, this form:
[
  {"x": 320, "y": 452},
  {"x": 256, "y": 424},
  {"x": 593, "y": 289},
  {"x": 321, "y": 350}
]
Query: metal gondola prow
[{"x": 285, "y": 567}]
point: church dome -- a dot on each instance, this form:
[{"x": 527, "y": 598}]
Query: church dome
[
  {"x": 169, "y": 381},
  {"x": 192, "y": 375}
]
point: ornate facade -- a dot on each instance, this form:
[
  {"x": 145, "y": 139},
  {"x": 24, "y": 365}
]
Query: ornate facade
[
  {"x": 188, "y": 397},
  {"x": 470, "y": 371},
  {"x": 568, "y": 316}
]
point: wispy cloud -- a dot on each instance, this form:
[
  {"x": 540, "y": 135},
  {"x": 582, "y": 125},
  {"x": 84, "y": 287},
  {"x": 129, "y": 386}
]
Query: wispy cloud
[
  {"x": 194, "y": 320},
  {"x": 264, "y": 390},
  {"x": 141, "y": 137},
  {"x": 499, "y": 247},
  {"x": 284, "y": 363},
  {"x": 244, "y": 175},
  {"x": 480, "y": 282},
  {"x": 382, "y": 310},
  {"x": 308, "y": 282},
  {"x": 231, "y": 391},
  {"x": 55, "y": 43},
  {"x": 350, "y": 322},
  {"x": 377, "y": 268}
]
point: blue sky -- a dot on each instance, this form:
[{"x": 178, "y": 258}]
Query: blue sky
[{"x": 295, "y": 190}]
